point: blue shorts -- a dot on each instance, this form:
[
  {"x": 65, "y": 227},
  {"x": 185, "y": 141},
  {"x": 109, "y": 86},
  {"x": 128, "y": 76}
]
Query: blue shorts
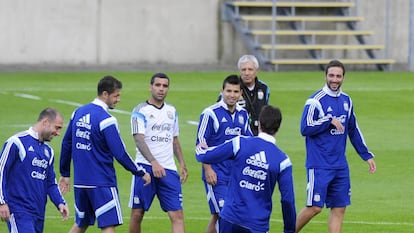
[
  {"x": 229, "y": 227},
  {"x": 328, "y": 186},
  {"x": 215, "y": 196},
  {"x": 101, "y": 204},
  {"x": 25, "y": 223},
  {"x": 167, "y": 189}
]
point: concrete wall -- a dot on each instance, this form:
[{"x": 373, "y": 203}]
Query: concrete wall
[
  {"x": 182, "y": 32},
  {"x": 397, "y": 36},
  {"x": 108, "y": 31}
]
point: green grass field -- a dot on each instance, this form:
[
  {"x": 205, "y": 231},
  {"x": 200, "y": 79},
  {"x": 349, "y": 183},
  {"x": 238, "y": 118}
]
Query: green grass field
[{"x": 381, "y": 203}]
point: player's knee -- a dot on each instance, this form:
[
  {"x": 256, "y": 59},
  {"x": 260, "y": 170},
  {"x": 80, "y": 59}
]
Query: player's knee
[
  {"x": 176, "y": 216},
  {"x": 137, "y": 215},
  {"x": 315, "y": 210}
]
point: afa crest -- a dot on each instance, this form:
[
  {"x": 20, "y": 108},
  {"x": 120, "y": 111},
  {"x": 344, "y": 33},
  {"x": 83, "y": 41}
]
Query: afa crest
[
  {"x": 346, "y": 106},
  {"x": 170, "y": 115},
  {"x": 47, "y": 153},
  {"x": 241, "y": 120}
]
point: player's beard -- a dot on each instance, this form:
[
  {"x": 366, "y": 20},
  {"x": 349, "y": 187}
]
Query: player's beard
[{"x": 334, "y": 86}]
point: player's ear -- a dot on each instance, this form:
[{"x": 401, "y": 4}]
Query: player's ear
[
  {"x": 45, "y": 121},
  {"x": 105, "y": 94}
]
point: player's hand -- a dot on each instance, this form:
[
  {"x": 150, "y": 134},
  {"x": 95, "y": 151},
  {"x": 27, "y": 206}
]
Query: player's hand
[
  {"x": 4, "y": 213},
  {"x": 147, "y": 178},
  {"x": 211, "y": 176},
  {"x": 64, "y": 184},
  {"x": 64, "y": 211},
  {"x": 202, "y": 145},
  {"x": 338, "y": 125},
  {"x": 157, "y": 170},
  {"x": 372, "y": 166},
  {"x": 184, "y": 174}
]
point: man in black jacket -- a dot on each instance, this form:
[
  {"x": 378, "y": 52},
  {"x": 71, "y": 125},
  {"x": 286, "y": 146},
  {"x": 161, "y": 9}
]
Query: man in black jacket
[{"x": 255, "y": 92}]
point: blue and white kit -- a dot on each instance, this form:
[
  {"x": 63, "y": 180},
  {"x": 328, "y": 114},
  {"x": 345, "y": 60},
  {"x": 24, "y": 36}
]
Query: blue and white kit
[
  {"x": 257, "y": 164},
  {"x": 326, "y": 163},
  {"x": 26, "y": 170},
  {"x": 160, "y": 128}
]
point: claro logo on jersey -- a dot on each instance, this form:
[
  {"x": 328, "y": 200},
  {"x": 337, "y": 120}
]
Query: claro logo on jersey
[
  {"x": 167, "y": 138},
  {"x": 233, "y": 131}
]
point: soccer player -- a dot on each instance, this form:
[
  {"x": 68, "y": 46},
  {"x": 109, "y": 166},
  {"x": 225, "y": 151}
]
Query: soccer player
[
  {"x": 27, "y": 175},
  {"x": 218, "y": 123},
  {"x": 257, "y": 165},
  {"x": 92, "y": 140},
  {"x": 328, "y": 119},
  {"x": 154, "y": 126}
]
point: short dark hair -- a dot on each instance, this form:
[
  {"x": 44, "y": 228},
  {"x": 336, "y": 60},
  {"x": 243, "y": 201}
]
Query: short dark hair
[
  {"x": 109, "y": 84},
  {"x": 335, "y": 63},
  {"x": 270, "y": 119},
  {"x": 49, "y": 113},
  {"x": 232, "y": 79},
  {"x": 159, "y": 75}
]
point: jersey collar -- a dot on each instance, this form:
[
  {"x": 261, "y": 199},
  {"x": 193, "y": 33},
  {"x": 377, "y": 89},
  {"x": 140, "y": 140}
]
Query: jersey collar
[
  {"x": 100, "y": 103},
  {"x": 330, "y": 92},
  {"x": 224, "y": 105},
  {"x": 33, "y": 133},
  {"x": 267, "y": 137}
]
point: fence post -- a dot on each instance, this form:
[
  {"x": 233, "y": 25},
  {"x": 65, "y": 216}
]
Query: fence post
[{"x": 411, "y": 38}]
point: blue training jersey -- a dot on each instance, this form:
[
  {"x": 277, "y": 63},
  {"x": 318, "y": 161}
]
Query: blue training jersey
[
  {"x": 92, "y": 140},
  {"x": 257, "y": 165},
  {"x": 218, "y": 125},
  {"x": 27, "y": 175},
  {"x": 325, "y": 146}
]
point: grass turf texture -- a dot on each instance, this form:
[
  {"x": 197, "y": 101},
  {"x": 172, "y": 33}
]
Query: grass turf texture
[{"x": 383, "y": 103}]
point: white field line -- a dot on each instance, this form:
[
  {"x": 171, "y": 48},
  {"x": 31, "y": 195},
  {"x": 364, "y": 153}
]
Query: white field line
[
  {"x": 276, "y": 220},
  {"x": 120, "y": 111},
  {"x": 27, "y": 96},
  {"x": 17, "y": 126},
  {"x": 192, "y": 122},
  {"x": 65, "y": 102},
  {"x": 33, "y": 97}
]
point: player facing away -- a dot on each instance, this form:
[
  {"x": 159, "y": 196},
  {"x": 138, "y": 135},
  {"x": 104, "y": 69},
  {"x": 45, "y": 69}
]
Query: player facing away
[
  {"x": 27, "y": 175},
  {"x": 328, "y": 119},
  {"x": 218, "y": 123},
  {"x": 257, "y": 164},
  {"x": 92, "y": 140},
  {"x": 155, "y": 129}
]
